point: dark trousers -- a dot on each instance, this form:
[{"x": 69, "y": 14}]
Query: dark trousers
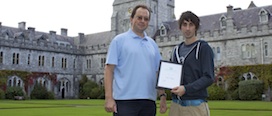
[{"x": 135, "y": 108}]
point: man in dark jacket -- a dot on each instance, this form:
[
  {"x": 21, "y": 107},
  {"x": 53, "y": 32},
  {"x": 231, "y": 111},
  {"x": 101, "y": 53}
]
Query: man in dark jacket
[{"x": 196, "y": 58}]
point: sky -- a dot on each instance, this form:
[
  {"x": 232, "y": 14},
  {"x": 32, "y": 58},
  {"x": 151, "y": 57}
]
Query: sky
[{"x": 93, "y": 16}]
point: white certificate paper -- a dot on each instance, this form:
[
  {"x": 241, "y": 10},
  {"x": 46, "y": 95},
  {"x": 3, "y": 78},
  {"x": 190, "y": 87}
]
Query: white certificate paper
[{"x": 169, "y": 75}]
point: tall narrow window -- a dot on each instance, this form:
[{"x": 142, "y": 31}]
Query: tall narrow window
[
  {"x": 28, "y": 59},
  {"x": 17, "y": 58},
  {"x": 103, "y": 61},
  {"x": 218, "y": 53},
  {"x": 90, "y": 63},
  {"x": 13, "y": 58},
  {"x": 248, "y": 51},
  {"x": 62, "y": 62},
  {"x": 53, "y": 62},
  {"x": 87, "y": 64},
  {"x": 253, "y": 51},
  {"x": 243, "y": 51},
  {"x": 1, "y": 57},
  {"x": 214, "y": 52},
  {"x": 265, "y": 49},
  {"x": 42, "y": 60},
  {"x": 65, "y": 63},
  {"x": 74, "y": 64},
  {"x": 39, "y": 61}
]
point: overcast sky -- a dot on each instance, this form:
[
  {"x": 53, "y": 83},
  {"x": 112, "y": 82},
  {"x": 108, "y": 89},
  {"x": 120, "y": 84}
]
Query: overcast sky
[{"x": 92, "y": 16}]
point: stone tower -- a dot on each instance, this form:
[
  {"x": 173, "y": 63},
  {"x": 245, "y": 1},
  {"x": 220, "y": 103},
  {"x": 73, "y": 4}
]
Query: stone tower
[{"x": 161, "y": 11}]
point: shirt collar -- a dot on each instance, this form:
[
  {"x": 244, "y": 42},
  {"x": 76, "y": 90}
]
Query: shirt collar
[{"x": 135, "y": 36}]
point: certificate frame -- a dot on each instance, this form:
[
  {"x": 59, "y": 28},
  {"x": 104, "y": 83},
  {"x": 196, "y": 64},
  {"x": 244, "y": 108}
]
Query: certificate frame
[{"x": 169, "y": 75}]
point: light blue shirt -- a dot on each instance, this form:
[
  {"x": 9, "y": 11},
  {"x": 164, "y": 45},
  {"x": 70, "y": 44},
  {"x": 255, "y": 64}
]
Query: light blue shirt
[{"x": 136, "y": 61}]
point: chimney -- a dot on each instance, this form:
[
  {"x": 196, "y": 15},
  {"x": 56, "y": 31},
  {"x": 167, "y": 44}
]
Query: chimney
[
  {"x": 22, "y": 25},
  {"x": 229, "y": 11},
  {"x": 81, "y": 38},
  {"x": 0, "y": 24},
  {"x": 31, "y": 31},
  {"x": 52, "y": 33},
  {"x": 63, "y": 32}
]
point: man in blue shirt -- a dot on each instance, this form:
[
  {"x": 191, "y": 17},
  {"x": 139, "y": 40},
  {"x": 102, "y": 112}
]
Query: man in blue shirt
[{"x": 130, "y": 74}]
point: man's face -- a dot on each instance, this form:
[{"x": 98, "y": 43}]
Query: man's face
[
  {"x": 188, "y": 29},
  {"x": 140, "y": 20}
]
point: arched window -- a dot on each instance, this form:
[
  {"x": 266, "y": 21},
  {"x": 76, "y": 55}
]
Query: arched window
[
  {"x": 223, "y": 22},
  {"x": 163, "y": 30},
  {"x": 263, "y": 16}
]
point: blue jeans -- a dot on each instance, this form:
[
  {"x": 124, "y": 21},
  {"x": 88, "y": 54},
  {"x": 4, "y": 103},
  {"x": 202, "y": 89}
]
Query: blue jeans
[{"x": 195, "y": 102}]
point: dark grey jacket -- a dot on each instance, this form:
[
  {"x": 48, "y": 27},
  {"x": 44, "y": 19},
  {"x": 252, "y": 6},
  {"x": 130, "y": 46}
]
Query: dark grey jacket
[{"x": 197, "y": 70}]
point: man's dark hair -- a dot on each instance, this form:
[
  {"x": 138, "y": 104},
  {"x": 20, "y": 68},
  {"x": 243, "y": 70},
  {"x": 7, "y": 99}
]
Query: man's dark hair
[
  {"x": 189, "y": 16},
  {"x": 140, "y": 6}
]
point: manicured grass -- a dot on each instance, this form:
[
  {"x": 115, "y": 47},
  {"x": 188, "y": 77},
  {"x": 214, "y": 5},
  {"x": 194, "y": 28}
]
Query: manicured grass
[{"x": 96, "y": 108}]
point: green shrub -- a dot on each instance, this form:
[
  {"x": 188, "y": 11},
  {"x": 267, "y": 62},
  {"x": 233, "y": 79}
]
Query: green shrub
[
  {"x": 216, "y": 93},
  {"x": 235, "y": 94},
  {"x": 2, "y": 94},
  {"x": 11, "y": 92},
  {"x": 40, "y": 92},
  {"x": 87, "y": 89},
  {"x": 95, "y": 93},
  {"x": 251, "y": 90}
]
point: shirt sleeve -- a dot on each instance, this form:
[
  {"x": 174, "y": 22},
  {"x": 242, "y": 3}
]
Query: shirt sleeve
[{"x": 112, "y": 56}]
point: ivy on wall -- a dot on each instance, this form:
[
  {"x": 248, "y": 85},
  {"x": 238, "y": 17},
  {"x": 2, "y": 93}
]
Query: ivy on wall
[
  {"x": 262, "y": 72},
  {"x": 27, "y": 77}
]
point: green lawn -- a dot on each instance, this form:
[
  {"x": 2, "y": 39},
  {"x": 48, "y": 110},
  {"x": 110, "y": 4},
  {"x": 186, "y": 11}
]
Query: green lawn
[{"x": 96, "y": 108}]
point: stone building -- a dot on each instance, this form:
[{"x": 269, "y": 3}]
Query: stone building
[{"x": 237, "y": 36}]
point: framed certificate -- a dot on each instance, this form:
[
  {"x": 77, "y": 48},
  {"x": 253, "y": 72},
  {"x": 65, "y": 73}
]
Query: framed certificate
[{"x": 169, "y": 75}]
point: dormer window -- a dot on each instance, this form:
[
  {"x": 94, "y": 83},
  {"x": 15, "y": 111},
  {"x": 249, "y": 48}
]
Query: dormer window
[
  {"x": 263, "y": 16},
  {"x": 163, "y": 31},
  {"x": 223, "y": 22}
]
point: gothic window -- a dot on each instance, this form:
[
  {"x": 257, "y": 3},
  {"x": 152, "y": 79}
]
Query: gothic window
[
  {"x": 162, "y": 31},
  {"x": 249, "y": 76},
  {"x": 14, "y": 81},
  {"x": 223, "y": 22},
  {"x": 1, "y": 57},
  {"x": 263, "y": 16},
  {"x": 64, "y": 63},
  {"x": 220, "y": 81},
  {"x": 265, "y": 49}
]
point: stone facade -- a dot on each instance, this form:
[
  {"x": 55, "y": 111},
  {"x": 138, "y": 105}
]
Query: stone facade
[{"x": 238, "y": 37}]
